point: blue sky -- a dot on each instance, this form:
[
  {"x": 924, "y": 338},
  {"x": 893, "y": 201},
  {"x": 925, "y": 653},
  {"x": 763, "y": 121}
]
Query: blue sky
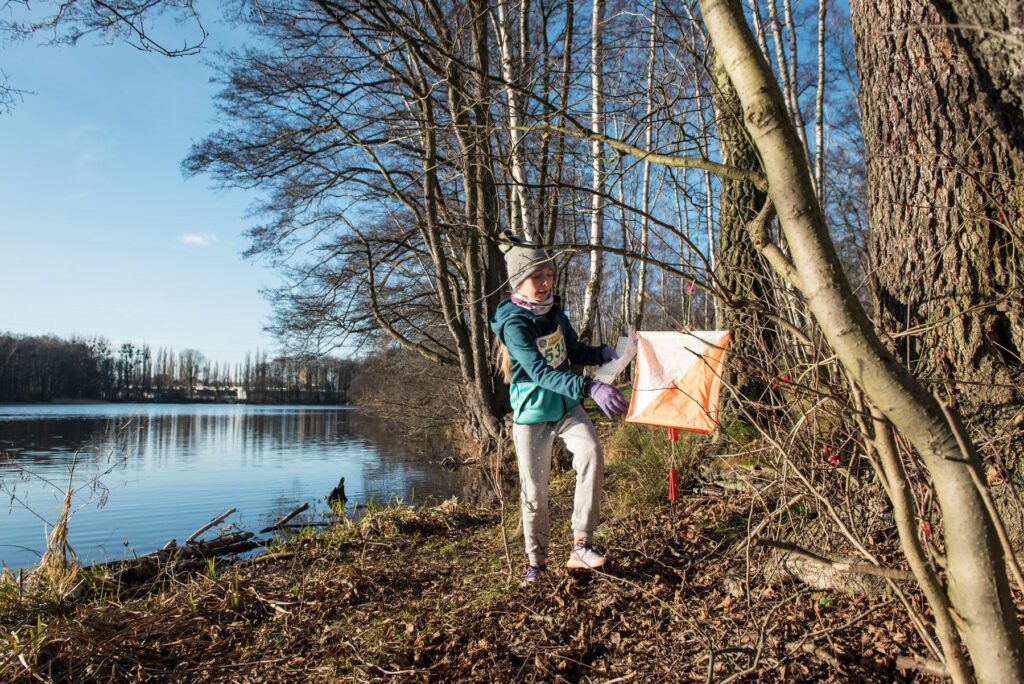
[{"x": 99, "y": 232}]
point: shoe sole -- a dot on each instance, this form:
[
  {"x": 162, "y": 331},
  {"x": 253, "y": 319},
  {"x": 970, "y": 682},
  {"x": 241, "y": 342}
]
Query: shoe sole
[{"x": 574, "y": 564}]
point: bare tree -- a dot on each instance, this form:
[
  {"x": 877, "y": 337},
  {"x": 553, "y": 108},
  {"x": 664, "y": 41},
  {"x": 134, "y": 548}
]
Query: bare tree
[{"x": 190, "y": 365}]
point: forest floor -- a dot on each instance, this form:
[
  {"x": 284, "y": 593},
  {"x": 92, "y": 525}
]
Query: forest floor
[{"x": 431, "y": 594}]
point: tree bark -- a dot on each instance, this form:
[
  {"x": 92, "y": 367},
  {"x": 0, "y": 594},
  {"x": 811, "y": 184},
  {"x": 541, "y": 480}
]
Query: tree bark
[
  {"x": 741, "y": 273},
  {"x": 592, "y": 295},
  {"x": 645, "y": 192},
  {"x": 992, "y": 33},
  {"x": 945, "y": 197},
  {"x": 978, "y": 585}
]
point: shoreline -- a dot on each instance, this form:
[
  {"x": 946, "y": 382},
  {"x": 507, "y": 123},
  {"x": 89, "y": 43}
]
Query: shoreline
[{"x": 432, "y": 594}]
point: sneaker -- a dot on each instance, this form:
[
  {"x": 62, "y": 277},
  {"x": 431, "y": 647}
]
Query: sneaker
[
  {"x": 532, "y": 574},
  {"x": 585, "y": 556}
]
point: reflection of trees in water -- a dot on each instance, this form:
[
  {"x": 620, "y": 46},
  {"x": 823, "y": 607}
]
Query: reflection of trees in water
[
  {"x": 55, "y": 442},
  {"x": 262, "y": 460},
  {"x": 181, "y": 437},
  {"x": 416, "y": 461}
]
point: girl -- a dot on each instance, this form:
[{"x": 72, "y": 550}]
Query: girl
[{"x": 546, "y": 394}]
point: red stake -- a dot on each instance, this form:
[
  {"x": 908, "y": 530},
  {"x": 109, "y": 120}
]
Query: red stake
[{"x": 673, "y": 436}]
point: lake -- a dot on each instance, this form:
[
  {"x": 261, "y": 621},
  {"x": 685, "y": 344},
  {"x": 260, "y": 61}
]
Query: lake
[{"x": 148, "y": 473}]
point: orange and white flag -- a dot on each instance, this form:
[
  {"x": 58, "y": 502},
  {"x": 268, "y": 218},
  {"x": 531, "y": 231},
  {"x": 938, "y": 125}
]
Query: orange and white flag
[{"x": 678, "y": 378}]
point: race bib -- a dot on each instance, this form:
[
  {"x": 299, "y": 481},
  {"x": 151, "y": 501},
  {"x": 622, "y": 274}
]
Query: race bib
[{"x": 552, "y": 348}]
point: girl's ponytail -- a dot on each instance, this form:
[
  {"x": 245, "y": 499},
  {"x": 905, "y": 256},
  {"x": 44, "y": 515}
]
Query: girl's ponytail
[{"x": 505, "y": 363}]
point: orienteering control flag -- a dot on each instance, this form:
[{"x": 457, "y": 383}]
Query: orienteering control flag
[{"x": 678, "y": 378}]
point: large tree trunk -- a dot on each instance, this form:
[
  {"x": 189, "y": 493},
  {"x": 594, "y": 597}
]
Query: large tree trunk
[
  {"x": 741, "y": 272},
  {"x": 945, "y": 193},
  {"x": 978, "y": 585},
  {"x": 992, "y": 33}
]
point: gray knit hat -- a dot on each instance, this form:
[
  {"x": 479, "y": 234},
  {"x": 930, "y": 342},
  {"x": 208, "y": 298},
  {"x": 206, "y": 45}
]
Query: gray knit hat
[{"x": 522, "y": 259}]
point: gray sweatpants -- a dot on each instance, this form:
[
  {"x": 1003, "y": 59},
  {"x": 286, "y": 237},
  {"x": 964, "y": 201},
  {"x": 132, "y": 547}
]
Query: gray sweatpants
[{"x": 534, "y": 445}]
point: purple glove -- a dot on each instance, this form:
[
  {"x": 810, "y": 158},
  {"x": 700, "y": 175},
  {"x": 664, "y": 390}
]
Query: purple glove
[
  {"x": 608, "y": 354},
  {"x": 609, "y": 399}
]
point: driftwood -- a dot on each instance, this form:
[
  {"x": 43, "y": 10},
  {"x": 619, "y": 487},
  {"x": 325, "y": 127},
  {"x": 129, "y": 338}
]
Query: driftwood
[
  {"x": 281, "y": 523},
  {"x": 269, "y": 558},
  {"x": 216, "y": 521},
  {"x": 192, "y": 555}
]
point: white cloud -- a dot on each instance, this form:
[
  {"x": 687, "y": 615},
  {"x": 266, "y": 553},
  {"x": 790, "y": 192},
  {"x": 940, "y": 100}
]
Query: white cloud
[{"x": 199, "y": 239}]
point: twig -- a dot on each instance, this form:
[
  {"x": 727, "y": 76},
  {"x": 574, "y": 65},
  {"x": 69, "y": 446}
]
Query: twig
[
  {"x": 624, "y": 678},
  {"x": 216, "y": 521},
  {"x": 761, "y": 525},
  {"x": 280, "y": 523},
  {"x": 269, "y": 557}
]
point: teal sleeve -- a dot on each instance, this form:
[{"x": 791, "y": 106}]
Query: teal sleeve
[
  {"x": 522, "y": 347},
  {"x": 579, "y": 353}
]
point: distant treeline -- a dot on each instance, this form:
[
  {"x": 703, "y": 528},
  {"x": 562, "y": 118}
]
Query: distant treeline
[{"x": 51, "y": 368}]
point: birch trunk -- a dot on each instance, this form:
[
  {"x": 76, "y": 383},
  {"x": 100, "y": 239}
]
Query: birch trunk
[
  {"x": 593, "y": 292},
  {"x": 511, "y": 71},
  {"x": 645, "y": 191},
  {"x": 819, "y": 107},
  {"x": 559, "y": 161}
]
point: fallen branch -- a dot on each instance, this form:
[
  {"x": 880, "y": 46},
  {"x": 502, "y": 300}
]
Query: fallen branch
[
  {"x": 216, "y": 521},
  {"x": 816, "y": 651},
  {"x": 270, "y": 557},
  {"x": 280, "y": 523},
  {"x": 925, "y": 665},
  {"x": 144, "y": 567}
]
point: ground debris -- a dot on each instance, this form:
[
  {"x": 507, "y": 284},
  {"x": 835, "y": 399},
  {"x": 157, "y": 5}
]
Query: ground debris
[{"x": 428, "y": 595}]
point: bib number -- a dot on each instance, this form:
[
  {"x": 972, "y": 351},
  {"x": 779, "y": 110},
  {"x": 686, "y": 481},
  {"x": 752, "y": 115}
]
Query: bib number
[{"x": 552, "y": 348}]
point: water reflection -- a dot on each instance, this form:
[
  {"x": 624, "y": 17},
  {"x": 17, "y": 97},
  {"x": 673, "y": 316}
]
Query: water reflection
[{"x": 171, "y": 468}]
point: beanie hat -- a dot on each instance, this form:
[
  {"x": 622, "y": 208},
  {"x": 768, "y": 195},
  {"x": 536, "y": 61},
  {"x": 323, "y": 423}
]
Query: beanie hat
[{"x": 522, "y": 259}]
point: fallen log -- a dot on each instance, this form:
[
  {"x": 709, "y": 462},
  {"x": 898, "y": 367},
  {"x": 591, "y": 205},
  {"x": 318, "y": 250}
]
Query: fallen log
[
  {"x": 847, "y": 574},
  {"x": 145, "y": 567},
  {"x": 269, "y": 558}
]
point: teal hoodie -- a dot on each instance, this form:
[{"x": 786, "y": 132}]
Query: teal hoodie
[{"x": 542, "y": 349}]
